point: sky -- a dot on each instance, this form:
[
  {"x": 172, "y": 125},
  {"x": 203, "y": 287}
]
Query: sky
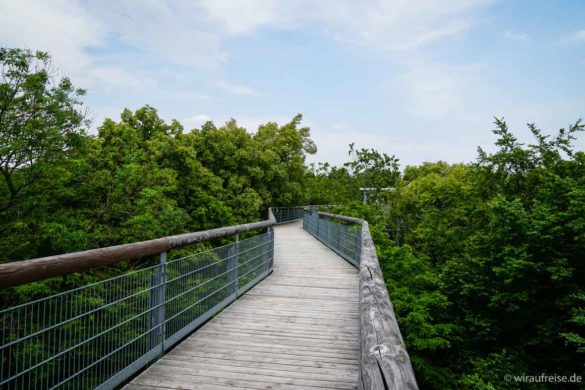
[{"x": 419, "y": 79}]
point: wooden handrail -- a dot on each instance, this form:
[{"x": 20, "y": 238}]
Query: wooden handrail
[
  {"x": 26, "y": 271},
  {"x": 384, "y": 361}
]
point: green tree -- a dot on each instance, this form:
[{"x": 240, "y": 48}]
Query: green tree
[
  {"x": 330, "y": 185},
  {"x": 373, "y": 170},
  {"x": 281, "y": 153},
  {"x": 40, "y": 119}
]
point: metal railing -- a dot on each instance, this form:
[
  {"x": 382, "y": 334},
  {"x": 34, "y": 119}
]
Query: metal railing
[
  {"x": 98, "y": 335},
  {"x": 343, "y": 238},
  {"x": 288, "y": 214},
  {"x": 384, "y": 361}
]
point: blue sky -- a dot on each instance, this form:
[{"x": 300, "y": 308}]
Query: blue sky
[{"x": 418, "y": 79}]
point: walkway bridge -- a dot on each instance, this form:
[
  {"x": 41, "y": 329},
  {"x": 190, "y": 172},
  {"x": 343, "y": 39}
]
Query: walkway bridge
[{"x": 296, "y": 301}]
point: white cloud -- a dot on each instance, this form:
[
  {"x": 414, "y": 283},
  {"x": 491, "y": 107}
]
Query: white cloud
[
  {"x": 579, "y": 36},
  {"x": 173, "y": 31},
  {"x": 62, "y": 27},
  {"x": 452, "y": 28},
  {"x": 192, "y": 34},
  {"x": 99, "y": 113},
  {"x": 110, "y": 77},
  {"x": 380, "y": 24},
  {"x": 516, "y": 36},
  {"x": 573, "y": 38},
  {"x": 244, "y": 17},
  {"x": 195, "y": 121},
  {"x": 401, "y": 24},
  {"x": 383, "y": 24},
  {"x": 334, "y": 149},
  {"x": 237, "y": 89},
  {"x": 433, "y": 89},
  {"x": 67, "y": 31}
]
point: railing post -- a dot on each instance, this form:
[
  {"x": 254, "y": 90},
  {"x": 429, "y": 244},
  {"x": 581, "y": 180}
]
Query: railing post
[
  {"x": 327, "y": 226},
  {"x": 157, "y": 300},
  {"x": 271, "y": 252},
  {"x": 357, "y": 246},
  {"x": 317, "y": 218},
  {"x": 161, "y": 300},
  {"x": 233, "y": 267}
]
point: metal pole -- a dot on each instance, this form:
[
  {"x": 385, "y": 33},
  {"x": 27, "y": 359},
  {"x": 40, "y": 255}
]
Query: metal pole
[
  {"x": 233, "y": 267},
  {"x": 271, "y": 253},
  {"x": 357, "y": 239},
  {"x": 161, "y": 299}
]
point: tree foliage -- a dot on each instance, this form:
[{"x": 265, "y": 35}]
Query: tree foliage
[
  {"x": 40, "y": 119},
  {"x": 484, "y": 262}
]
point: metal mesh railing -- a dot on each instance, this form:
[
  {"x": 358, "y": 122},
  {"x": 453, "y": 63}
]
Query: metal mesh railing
[
  {"x": 287, "y": 214},
  {"x": 98, "y": 335},
  {"x": 344, "y": 239}
]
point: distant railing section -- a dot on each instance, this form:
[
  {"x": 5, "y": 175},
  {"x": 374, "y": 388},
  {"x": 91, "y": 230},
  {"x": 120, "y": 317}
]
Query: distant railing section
[
  {"x": 99, "y": 335},
  {"x": 287, "y": 214},
  {"x": 345, "y": 239},
  {"x": 384, "y": 361}
]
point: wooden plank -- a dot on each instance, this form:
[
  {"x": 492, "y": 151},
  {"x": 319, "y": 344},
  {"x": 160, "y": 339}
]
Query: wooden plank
[
  {"x": 201, "y": 386},
  {"x": 283, "y": 340},
  {"x": 259, "y": 318},
  {"x": 248, "y": 355},
  {"x": 220, "y": 373},
  {"x": 294, "y": 328},
  {"x": 198, "y": 382},
  {"x": 281, "y": 371},
  {"x": 280, "y": 349},
  {"x": 271, "y": 347}
]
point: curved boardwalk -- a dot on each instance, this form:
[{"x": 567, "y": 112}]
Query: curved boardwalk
[{"x": 297, "y": 329}]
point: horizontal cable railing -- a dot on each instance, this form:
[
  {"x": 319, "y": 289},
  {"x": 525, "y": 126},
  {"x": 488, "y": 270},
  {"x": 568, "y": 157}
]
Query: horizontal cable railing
[
  {"x": 98, "y": 335},
  {"x": 384, "y": 361}
]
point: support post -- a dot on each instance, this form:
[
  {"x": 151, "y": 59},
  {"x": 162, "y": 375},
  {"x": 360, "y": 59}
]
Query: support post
[
  {"x": 233, "y": 267},
  {"x": 161, "y": 299},
  {"x": 357, "y": 245},
  {"x": 157, "y": 299},
  {"x": 271, "y": 252}
]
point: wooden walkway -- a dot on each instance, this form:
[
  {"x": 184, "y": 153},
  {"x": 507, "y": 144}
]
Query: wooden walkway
[{"x": 297, "y": 329}]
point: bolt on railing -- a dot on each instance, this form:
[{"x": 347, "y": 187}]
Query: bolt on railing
[{"x": 98, "y": 335}]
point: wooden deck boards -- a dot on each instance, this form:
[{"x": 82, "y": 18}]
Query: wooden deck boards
[{"x": 297, "y": 329}]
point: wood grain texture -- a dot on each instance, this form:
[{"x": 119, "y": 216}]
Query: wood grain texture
[
  {"x": 297, "y": 329},
  {"x": 21, "y": 272},
  {"x": 385, "y": 364}
]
